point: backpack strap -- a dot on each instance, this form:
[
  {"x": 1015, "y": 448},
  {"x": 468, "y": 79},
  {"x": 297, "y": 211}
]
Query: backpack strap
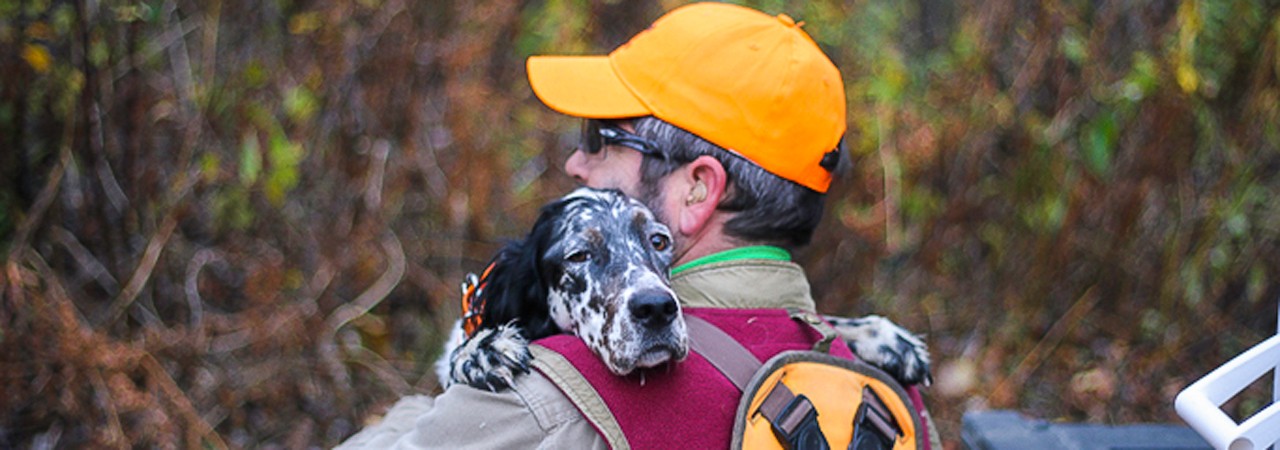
[
  {"x": 575, "y": 386},
  {"x": 790, "y": 415},
  {"x": 821, "y": 326},
  {"x": 722, "y": 351},
  {"x": 739, "y": 365},
  {"x": 793, "y": 418}
]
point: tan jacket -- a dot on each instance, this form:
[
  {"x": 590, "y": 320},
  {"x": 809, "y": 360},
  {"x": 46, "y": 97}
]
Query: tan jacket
[{"x": 534, "y": 413}]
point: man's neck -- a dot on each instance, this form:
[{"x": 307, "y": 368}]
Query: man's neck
[
  {"x": 718, "y": 243},
  {"x": 701, "y": 249},
  {"x": 710, "y": 241}
]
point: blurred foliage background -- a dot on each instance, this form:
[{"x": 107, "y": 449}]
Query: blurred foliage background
[{"x": 242, "y": 223}]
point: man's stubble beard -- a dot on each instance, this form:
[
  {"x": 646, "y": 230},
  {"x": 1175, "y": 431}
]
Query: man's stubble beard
[{"x": 653, "y": 197}]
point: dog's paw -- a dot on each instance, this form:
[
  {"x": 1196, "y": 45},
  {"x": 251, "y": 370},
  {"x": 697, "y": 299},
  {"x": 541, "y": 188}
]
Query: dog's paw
[
  {"x": 491, "y": 359},
  {"x": 882, "y": 343}
]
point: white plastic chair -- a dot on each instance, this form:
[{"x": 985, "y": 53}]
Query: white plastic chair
[{"x": 1200, "y": 403}]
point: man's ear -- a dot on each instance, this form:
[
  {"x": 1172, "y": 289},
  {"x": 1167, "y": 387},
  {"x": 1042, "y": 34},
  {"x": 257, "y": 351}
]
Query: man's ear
[{"x": 705, "y": 182}]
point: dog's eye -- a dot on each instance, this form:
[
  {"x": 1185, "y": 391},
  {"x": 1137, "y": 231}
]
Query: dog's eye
[
  {"x": 579, "y": 256},
  {"x": 660, "y": 242}
]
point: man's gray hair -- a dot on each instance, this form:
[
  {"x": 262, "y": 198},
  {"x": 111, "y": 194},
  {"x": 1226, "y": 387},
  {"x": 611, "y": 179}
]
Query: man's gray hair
[{"x": 769, "y": 209}]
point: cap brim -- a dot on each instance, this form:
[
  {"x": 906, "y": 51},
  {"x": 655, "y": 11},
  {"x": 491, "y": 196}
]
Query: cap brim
[{"x": 582, "y": 86}]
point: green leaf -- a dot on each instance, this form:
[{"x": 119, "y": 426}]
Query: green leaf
[
  {"x": 284, "y": 155},
  {"x": 1098, "y": 143},
  {"x": 250, "y": 159},
  {"x": 99, "y": 53},
  {"x": 1144, "y": 76},
  {"x": 1074, "y": 46},
  {"x": 254, "y": 74},
  {"x": 232, "y": 209},
  {"x": 210, "y": 166},
  {"x": 300, "y": 104}
]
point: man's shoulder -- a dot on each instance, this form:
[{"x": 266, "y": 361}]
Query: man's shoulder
[
  {"x": 532, "y": 413},
  {"x": 545, "y": 398},
  {"x": 533, "y": 396},
  {"x": 552, "y": 361}
]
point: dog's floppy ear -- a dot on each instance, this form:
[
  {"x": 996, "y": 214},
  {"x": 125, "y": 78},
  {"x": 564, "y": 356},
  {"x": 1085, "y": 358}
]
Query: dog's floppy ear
[{"x": 516, "y": 289}]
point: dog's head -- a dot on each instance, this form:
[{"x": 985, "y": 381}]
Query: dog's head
[{"x": 596, "y": 265}]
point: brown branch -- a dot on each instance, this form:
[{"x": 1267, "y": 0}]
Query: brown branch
[
  {"x": 328, "y": 349},
  {"x": 376, "y": 292},
  {"x": 115, "y": 435},
  {"x": 180, "y": 400},
  {"x": 155, "y": 246},
  {"x": 155, "y": 46},
  {"x": 35, "y": 215},
  {"x": 383, "y": 370},
  {"x": 191, "y": 289},
  {"x": 85, "y": 258},
  {"x": 32, "y": 220},
  {"x": 71, "y": 326},
  {"x": 377, "y": 174},
  {"x": 143, "y": 272}
]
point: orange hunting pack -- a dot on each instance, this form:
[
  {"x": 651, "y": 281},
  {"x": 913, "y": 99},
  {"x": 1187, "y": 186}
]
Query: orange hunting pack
[{"x": 810, "y": 399}]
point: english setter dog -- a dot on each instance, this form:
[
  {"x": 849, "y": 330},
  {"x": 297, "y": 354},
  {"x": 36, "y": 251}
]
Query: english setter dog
[{"x": 596, "y": 265}]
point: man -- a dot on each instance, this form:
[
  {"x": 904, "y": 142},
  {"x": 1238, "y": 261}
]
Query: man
[{"x": 726, "y": 122}]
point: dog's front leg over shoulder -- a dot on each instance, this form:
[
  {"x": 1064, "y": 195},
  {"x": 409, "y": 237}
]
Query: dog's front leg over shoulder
[
  {"x": 491, "y": 359},
  {"x": 891, "y": 348}
]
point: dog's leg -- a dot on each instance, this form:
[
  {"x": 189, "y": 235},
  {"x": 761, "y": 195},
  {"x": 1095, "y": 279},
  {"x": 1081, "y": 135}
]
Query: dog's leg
[
  {"x": 491, "y": 359},
  {"x": 882, "y": 343}
]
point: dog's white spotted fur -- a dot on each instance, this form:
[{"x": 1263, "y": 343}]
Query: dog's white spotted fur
[
  {"x": 508, "y": 356},
  {"x": 882, "y": 343},
  {"x": 590, "y": 299}
]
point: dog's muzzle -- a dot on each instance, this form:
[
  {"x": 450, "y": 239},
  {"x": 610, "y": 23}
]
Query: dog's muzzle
[
  {"x": 654, "y": 310},
  {"x": 657, "y": 315}
]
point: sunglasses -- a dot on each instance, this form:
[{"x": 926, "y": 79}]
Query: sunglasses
[{"x": 596, "y": 134}]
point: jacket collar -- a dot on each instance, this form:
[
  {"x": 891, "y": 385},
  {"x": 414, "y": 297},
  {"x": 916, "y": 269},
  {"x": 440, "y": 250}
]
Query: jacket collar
[{"x": 743, "y": 283}]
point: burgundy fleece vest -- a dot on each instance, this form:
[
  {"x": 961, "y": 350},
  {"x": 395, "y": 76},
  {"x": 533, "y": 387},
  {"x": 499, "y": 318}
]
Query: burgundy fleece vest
[{"x": 691, "y": 404}]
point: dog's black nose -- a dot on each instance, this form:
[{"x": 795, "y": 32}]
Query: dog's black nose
[{"x": 654, "y": 310}]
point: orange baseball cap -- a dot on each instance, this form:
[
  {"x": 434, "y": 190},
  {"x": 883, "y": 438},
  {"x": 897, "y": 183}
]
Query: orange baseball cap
[{"x": 751, "y": 83}]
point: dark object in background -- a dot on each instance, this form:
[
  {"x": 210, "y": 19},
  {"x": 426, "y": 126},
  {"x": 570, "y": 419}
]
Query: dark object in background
[{"x": 1008, "y": 430}]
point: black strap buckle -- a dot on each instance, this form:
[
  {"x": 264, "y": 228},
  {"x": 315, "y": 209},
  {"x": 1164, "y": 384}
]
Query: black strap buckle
[
  {"x": 874, "y": 428},
  {"x": 797, "y": 426}
]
